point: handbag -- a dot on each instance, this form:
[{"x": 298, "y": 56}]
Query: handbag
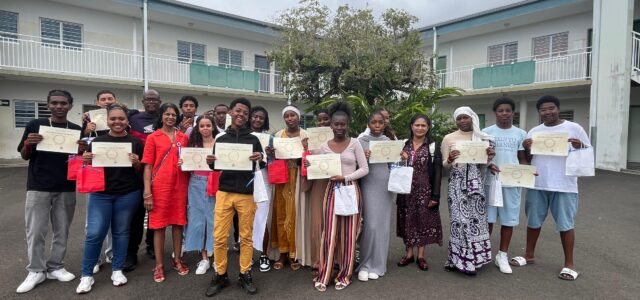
[
  {"x": 278, "y": 171},
  {"x": 260, "y": 193},
  {"x": 345, "y": 202},
  {"x": 400, "y": 179},
  {"x": 90, "y": 179},
  {"x": 580, "y": 163},
  {"x": 495, "y": 192},
  {"x": 74, "y": 164},
  {"x": 213, "y": 183}
]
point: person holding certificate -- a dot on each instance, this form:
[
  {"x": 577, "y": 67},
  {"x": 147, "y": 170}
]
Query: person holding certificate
[
  {"x": 50, "y": 196},
  {"x": 104, "y": 98},
  {"x": 235, "y": 196},
  {"x": 469, "y": 242},
  {"x": 189, "y": 106},
  {"x": 554, "y": 191},
  {"x": 165, "y": 188},
  {"x": 340, "y": 231},
  {"x": 112, "y": 209},
  {"x": 198, "y": 234},
  {"x": 418, "y": 214}
]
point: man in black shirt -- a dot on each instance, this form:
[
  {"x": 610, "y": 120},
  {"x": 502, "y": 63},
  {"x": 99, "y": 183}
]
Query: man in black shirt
[{"x": 50, "y": 196}]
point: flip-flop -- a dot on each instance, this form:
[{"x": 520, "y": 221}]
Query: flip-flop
[
  {"x": 295, "y": 265},
  {"x": 520, "y": 261},
  {"x": 278, "y": 265},
  {"x": 568, "y": 274}
]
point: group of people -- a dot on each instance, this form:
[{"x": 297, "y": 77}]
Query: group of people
[{"x": 297, "y": 225}]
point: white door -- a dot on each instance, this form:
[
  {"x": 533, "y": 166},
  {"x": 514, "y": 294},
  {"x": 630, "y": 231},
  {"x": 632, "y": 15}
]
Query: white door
[{"x": 633, "y": 152}]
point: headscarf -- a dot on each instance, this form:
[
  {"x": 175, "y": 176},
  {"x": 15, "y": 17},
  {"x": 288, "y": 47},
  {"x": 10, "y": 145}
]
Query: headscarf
[
  {"x": 291, "y": 108},
  {"x": 477, "y": 135}
]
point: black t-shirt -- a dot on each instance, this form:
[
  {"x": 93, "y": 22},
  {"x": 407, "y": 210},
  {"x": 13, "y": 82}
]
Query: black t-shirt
[
  {"x": 93, "y": 133},
  {"x": 47, "y": 170},
  {"x": 142, "y": 124},
  {"x": 121, "y": 180}
]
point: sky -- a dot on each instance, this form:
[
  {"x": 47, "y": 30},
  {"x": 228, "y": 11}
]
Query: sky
[{"x": 429, "y": 12}]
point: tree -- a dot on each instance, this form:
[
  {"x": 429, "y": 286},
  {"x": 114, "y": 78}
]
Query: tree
[{"x": 350, "y": 53}]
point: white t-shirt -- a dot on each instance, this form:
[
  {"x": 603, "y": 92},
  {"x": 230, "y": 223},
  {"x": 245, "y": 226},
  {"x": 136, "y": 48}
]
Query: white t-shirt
[{"x": 551, "y": 169}]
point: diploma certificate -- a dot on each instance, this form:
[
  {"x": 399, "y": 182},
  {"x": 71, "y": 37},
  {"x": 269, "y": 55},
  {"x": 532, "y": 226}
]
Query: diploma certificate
[
  {"x": 195, "y": 159},
  {"x": 227, "y": 122},
  {"x": 288, "y": 148},
  {"x": 472, "y": 152},
  {"x": 318, "y": 136},
  {"x": 111, "y": 154},
  {"x": 99, "y": 117},
  {"x": 385, "y": 151},
  {"x": 518, "y": 175},
  {"x": 61, "y": 140},
  {"x": 264, "y": 139},
  {"x": 323, "y": 166},
  {"x": 552, "y": 143},
  {"x": 233, "y": 157}
]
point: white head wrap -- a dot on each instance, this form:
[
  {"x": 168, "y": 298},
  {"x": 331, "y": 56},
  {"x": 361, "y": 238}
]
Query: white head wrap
[
  {"x": 478, "y": 135},
  {"x": 291, "y": 108}
]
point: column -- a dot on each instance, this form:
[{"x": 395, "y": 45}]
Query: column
[{"x": 523, "y": 115}]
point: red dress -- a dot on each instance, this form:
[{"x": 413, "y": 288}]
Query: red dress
[{"x": 169, "y": 186}]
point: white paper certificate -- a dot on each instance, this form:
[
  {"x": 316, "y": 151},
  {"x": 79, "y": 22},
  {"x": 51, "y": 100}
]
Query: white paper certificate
[
  {"x": 111, "y": 154},
  {"x": 385, "y": 151},
  {"x": 195, "y": 159},
  {"x": 318, "y": 136},
  {"x": 518, "y": 175},
  {"x": 323, "y": 166},
  {"x": 227, "y": 122},
  {"x": 552, "y": 143},
  {"x": 59, "y": 140},
  {"x": 99, "y": 117},
  {"x": 233, "y": 157},
  {"x": 264, "y": 139},
  {"x": 472, "y": 152},
  {"x": 288, "y": 148}
]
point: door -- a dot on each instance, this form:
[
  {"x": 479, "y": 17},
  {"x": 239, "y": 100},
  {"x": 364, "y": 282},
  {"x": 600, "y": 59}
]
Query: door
[
  {"x": 441, "y": 69},
  {"x": 633, "y": 147},
  {"x": 262, "y": 66}
]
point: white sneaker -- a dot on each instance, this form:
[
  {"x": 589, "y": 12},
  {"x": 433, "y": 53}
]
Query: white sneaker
[
  {"x": 203, "y": 266},
  {"x": 373, "y": 276},
  {"x": 96, "y": 268},
  {"x": 502, "y": 261},
  {"x": 33, "y": 279},
  {"x": 118, "y": 278},
  {"x": 108, "y": 259},
  {"x": 85, "y": 285},
  {"x": 363, "y": 276},
  {"x": 61, "y": 274}
]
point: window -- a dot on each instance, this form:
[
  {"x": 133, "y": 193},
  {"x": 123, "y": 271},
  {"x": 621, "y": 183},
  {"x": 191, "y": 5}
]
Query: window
[
  {"x": 482, "y": 120},
  {"x": 191, "y": 52},
  {"x": 27, "y": 110},
  {"x": 567, "y": 115},
  {"x": 550, "y": 45},
  {"x": 8, "y": 24},
  {"x": 59, "y": 33},
  {"x": 262, "y": 63},
  {"x": 503, "y": 53},
  {"x": 230, "y": 58},
  {"x": 516, "y": 119}
]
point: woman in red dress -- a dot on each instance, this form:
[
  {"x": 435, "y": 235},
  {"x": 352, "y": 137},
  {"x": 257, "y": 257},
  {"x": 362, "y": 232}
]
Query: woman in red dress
[{"x": 165, "y": 187}]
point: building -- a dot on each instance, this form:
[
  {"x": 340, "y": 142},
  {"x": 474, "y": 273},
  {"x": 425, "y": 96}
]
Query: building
[
  {"x": 86, "y": 46},
  {"x": 582, "y": 51}
]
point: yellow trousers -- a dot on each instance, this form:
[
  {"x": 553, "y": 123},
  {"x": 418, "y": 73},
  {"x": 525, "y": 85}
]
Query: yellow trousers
[{"x": 227, "y": 204}]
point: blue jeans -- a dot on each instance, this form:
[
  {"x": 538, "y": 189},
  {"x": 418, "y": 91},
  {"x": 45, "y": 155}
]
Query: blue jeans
[{"x": 104, "y": 212}]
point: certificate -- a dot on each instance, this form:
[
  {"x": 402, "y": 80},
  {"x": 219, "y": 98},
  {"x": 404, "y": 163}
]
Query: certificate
[
  {"x": 233, "y": 157},
  {"x": 518, "y": 175},
  {"x": 323, "y": 166},
  {"x": 99, "y": 117},
  {"x": 385, "y": 151},
  {"x": 195, "y": 159},
  {"x": 111, "y": 154},
  {"x": 318, "y": 136},
  {"x": 264, "y": 139},
  {"x": 227, "y": 122},
  {"x": 59, "y": 140},
  {"x": 552, "y": 143},
  {"x": 472, "y": 152},
  {"x": 288, "y": 148}
]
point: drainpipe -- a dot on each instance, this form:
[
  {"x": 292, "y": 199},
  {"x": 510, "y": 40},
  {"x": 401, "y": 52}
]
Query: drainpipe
[{"x": 145, "y": 45}]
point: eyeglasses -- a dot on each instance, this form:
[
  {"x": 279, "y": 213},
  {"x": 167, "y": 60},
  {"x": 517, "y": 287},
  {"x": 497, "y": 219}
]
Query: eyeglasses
[{"x": 151, "y": 100}]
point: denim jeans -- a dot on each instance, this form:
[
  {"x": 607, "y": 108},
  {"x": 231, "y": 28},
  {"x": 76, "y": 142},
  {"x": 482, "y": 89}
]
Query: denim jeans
[{"x": 103, "y": 212}]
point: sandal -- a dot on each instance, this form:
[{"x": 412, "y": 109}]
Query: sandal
[
  {"x": 422, "y": 264},
  {"x": 320, "y": 287},
  {"x": 520, "y": 261},
  {"x": 295, "y": 265},
  {"x": 340, "y": 286},
  {"x": 568, "y": 274},
  {"x": 315, "y": 272},
  {"x": 278, "y": 265}
]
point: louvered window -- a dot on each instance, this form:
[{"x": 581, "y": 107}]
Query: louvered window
[
  {"x": 191, "y": 52},
  {"x": 551, "y": 45},
  {"x": 8, "y": 24},
  {"x": 59, "y": 33},
  {"x": 230, "y": 58},
  {"x": 502, "y": 54},
  {"x": 27, "y": 110}
]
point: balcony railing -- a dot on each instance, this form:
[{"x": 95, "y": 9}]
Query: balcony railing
[
  {"x": 555, "y": 67},
  {"x": 31, "y": 53}
]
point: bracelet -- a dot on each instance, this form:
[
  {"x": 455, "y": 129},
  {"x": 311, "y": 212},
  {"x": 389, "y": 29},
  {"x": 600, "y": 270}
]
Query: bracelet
[{"x": 147, "y": 196}]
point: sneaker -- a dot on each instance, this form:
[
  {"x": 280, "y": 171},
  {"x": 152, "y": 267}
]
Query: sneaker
[
  {"x": 265, "y": 264},
  {"x": 181, "y": 267},
  {"x": 502, "y": 261},
  {"x": 373, "y": 276},
  {"x": 246, "y": 282},
  {"x": 203, "y": 266},
  {"x": 108, "y": 259},
  {"x": 96, "y": 268},
  {"x": 363, "y": 276},
  {"x": 85, "y": 285},
  {"x": 61, "y": 275},
  {"x": 33, "y": 279},
  {"x": 218, "y": 282},
  {"x": 158, "y": 274},
  {"x": 118, "y": 278}
]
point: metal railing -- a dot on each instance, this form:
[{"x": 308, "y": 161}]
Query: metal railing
[{"x": 635, "y": 56}]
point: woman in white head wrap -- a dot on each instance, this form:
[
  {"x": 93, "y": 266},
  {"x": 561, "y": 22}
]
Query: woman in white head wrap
[{"x": 469, "y": 243}]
